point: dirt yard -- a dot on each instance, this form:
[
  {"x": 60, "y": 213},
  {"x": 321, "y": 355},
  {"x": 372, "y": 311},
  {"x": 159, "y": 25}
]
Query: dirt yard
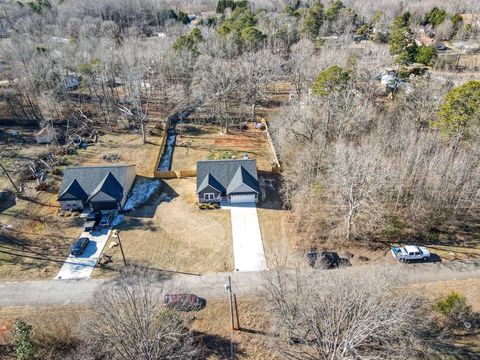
[
  {"x": 202, "y": 142},
  {"x": 175, "y": 235},
  {"x": 34, "y": 240},
  {"x": 129, "y": 149}
]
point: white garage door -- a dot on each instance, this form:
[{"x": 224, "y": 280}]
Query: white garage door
[{"x": 238, "y": 199}]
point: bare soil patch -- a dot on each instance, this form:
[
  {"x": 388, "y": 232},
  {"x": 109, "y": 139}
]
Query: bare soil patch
[{"x": 202, "y": 142}]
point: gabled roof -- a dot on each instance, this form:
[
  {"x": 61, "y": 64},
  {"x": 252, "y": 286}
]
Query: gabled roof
[
  {"x": 229, "y": 174},
  {"x": 210, "y": 180},
  {"x": 91, "y": 177},
  {"x": 73, "y": 192},
  {"x": 109, "y": 189},
  {"x": 242, "y": 177}
]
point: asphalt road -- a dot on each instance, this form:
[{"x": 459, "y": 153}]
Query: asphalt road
[{"x": 65, "y": 292}]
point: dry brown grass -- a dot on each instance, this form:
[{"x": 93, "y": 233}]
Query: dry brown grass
[
  {"x": 208, "y": 142},
  {"x": 176, "y": 235},
  {"x": 251, "y": 342},
  {"x": 128, "y": 146},
  {"x": 39, "y": 240}
]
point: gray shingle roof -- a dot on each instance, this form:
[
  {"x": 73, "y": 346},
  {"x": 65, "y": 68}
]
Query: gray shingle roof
[
  {"x": 89, "y": 177},
  {"x": 210, "y": 180},
  {"x": 108, "y": 190},
  {"x": 242, "y": 176},
  {"x": 73, "y": 192},
  {"x": 226, "y": 172}
]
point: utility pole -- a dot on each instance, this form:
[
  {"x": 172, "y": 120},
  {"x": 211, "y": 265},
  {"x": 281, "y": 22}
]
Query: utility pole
[
  {"x": 121, "y": 248},
  {"x": 9, "y": 178},
  {"x": 229, "y": 288},
  {"x": 236, "y": 311}
]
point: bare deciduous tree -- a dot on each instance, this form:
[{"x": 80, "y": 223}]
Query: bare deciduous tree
[
  {"x": 345, "y": 315},
  {"x": 131, "y": 322},
  {"x": 258, "y": 69}
]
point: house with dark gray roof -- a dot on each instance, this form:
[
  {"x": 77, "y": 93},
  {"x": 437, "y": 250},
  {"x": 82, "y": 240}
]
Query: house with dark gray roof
[
  {"x": 97, "y": 187},
  {"x": 235, "y": 181}
]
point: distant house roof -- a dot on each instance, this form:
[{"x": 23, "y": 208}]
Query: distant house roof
[
  {"x": 100, "y": 183},
  {"x": 227, "y": 175}
]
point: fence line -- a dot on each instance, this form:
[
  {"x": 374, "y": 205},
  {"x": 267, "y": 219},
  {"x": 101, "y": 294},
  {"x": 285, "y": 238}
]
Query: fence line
[
  {"x": 276, "y": 168},
  {"x": 162, "y": 147},
  {"x": 174, "y": 174}
]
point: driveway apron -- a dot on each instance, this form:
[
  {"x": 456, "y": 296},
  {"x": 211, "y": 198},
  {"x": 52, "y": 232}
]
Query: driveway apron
[
  {"x": 81, "y": 267},
  {"x": 248, "y": 249}
]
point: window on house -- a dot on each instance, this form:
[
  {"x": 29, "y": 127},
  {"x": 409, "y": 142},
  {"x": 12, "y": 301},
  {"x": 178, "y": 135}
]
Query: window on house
[{"x": 209, "y": 196}]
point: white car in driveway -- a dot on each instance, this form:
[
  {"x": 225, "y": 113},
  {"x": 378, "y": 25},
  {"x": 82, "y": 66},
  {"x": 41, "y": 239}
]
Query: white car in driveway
[{"x": 410, "y": 252}]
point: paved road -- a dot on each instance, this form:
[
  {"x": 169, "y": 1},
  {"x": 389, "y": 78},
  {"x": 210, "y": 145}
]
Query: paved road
[
  {"x": 65, "y": 292},
  {"x": 81, "y": 267},
  {"x": 248, "y": 253}
]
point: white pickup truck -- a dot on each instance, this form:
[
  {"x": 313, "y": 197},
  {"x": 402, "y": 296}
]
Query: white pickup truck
[{"x": 410, "y": 252}]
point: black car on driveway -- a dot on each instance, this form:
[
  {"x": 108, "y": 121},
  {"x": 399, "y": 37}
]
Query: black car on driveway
[
  {"x": 106, "y": 220},
  {"x": 92, "y": 221},
  {"x": 184, "y": 302},
  {"x": 79, "y": 246}
]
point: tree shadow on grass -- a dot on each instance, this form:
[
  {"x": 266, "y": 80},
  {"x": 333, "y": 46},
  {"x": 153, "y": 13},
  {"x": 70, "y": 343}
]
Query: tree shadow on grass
[
  {"x": 270, "y": 186},
  {"x": 455, "y": 351},
  {"x": 164, "y": 273},
  {"x": 21, "y": 251},
  {"x": 7, "y": 200},
  {"x": 217, "y": 347}
]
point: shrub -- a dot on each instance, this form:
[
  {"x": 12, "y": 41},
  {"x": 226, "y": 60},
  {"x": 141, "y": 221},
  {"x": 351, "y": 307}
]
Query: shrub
[
  {"x": 22, "y": 340},
  {"x": 426, "y": 55},
  {"x": 455, "y": 311}
]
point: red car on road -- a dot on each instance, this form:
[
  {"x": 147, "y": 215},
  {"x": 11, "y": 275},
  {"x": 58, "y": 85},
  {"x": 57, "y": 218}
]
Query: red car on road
[{"x": 184, "y": 302}]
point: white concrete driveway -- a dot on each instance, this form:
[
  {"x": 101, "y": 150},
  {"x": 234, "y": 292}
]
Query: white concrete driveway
[
  {"x": 81, "y": 267},
  {"x": 248, "y": 250}
]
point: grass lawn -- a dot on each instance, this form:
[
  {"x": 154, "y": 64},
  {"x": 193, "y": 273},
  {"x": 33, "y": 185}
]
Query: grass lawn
[
  {"x": 36, "y": 240},
  {"x": 175, "y": 235},
  {"x": 202, "y": 142}
]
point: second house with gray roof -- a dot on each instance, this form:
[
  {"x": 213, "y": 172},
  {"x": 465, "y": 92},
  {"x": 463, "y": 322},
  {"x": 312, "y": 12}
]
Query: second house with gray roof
[
  {"x": 97, "y": 187},
  {"x": 235, "y": 181}
]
